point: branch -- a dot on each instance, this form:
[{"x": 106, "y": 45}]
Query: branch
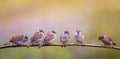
[{"x": 84, "y": 45}]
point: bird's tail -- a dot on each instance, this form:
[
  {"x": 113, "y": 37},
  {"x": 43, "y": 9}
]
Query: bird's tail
[{"x": 8, "y": 43}]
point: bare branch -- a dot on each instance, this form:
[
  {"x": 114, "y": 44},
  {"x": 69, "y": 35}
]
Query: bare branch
[{"x": 84, "y": 45}]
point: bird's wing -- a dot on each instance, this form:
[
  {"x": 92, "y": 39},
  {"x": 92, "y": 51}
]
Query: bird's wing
[
  {"x": 48, "y": 37},
  {"x": 109, "y": 39},
  {"x": 20, "y": 38},
  {"x": 14, "y": 38},
  {"x": 37, "y": 36}
]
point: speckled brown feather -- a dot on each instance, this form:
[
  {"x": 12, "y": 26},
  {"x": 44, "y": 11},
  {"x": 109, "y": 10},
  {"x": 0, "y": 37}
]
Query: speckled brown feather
[
  {"x": 48, "y": 37},
  {"x": 37, "y": 36}
]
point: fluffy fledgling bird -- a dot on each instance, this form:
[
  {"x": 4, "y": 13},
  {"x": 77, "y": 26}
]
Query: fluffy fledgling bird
[
  {"x": 17, "y": 40},
  {"x": 107, "y": 40},
  {"x": 36, "y": 38},
  {"x": 64, "y": 37},
  {"x": 79, "y": 37},
  {"x": 50, "y": 36}
]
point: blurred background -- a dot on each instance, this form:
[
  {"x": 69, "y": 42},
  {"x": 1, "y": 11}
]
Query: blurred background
[{"x": 92, "y": 17}]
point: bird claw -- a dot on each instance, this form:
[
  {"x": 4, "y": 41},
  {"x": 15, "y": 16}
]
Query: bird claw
[
  {"x": 47, "y": 44},
  {"x": 29, "y": 45},
  {"x": 39, "y": 46},
  {"x": 63, "y": 46}
]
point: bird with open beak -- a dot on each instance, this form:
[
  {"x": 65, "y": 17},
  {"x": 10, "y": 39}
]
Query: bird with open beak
[
  {"x": 50, "y": 36},
  {"x": 64, "y": 37},
  {"x": 17, "y": 40},
  {"x": 107, "y": 40},
  {"x": 79, "y": 37},
  {"x": 37, "y": 38}
]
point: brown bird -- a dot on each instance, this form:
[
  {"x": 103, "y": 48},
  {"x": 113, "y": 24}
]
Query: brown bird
[
  {"x": 17, "y": 40},
  {"x": 36, "y": 38},
  {"x": 107, "y": 40},
  {"x": 64, "y": 38},
  {"x": 50, "y": 36}
]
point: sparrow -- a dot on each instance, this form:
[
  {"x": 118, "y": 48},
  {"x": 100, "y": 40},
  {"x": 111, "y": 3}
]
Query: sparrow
[
  {"x": 36, "y": 38},
  {"x": 107, "y": 40},
  {"x": 50, "y": 36},
  {"x": 17, "y": 40},
  {"x": 64, "y": 37},
  {"x": 79, "y": 37}
]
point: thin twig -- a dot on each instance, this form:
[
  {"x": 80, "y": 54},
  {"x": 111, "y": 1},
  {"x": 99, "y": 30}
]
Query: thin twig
[{"x": 85, "y": 45}]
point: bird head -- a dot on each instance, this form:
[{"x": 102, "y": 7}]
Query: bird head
[
  {"x": 26, "y": 37},
  {"x": 78, "y": 31},
  {"x": 53, "y": 32},
  {"x": 41, "y": 30},
  {"x": 102, "y": 37},
  {"x": 66, "y": 32}
]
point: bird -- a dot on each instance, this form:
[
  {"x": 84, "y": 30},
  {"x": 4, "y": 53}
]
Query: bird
[
  {"x": 107, "y": 40},
  {"x": 64, "y": 37},
  {"x": 17, "y": 40},
  {"x": 79, "y": 37},
  {"x": 49, "y": 37},
  {"x": 36, "y": 38}
]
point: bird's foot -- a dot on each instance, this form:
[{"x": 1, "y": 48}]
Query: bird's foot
[
  {"x": 63, "y": 46},
  {"x": 39, "y": 46},
  {"x": 47, "y": 44},
  {"x": 29, "y": 45}
]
